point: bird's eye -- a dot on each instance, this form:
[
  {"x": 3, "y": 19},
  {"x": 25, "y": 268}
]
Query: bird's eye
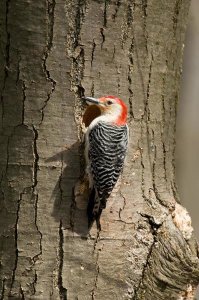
[{"x": 109, "y": 102}]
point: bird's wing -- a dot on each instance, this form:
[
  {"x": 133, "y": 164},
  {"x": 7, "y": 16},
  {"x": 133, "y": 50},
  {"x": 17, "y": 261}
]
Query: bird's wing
[{"x": 107, "y": 150}]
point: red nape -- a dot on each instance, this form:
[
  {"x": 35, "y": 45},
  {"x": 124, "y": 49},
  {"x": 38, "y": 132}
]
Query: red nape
[{"x": 123, "y": 117}]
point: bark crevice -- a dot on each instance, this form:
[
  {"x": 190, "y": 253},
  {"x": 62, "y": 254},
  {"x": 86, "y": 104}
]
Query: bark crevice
[
  {"x": 36, "y": 158},
  {"x": 62, "y": 289},
  {"x": 154, "y": 231},
  {"x": 50, "y": 24},
  {"x": 7, "y": 57},
  {"x": 16, "y": 243}
]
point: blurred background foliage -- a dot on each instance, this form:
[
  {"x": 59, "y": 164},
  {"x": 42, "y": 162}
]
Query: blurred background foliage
[{"x": 187, "y": 152}]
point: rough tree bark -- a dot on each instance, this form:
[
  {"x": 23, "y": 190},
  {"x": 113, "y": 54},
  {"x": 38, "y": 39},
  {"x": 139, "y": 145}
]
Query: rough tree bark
[{"x": 52, "y": 52}]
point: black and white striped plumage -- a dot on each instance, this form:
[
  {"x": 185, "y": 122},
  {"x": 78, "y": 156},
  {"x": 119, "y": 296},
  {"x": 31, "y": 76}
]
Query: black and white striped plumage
[{"x": 106, "y": 153}]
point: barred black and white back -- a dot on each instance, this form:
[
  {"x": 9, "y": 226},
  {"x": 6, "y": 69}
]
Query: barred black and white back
[{"x": 107, "y": 146}]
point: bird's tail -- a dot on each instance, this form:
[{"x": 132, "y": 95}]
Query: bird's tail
[{"x": 94, "y": 209}]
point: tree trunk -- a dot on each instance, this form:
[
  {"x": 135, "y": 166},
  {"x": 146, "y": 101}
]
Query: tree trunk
[{"x": 52, "y": 53}]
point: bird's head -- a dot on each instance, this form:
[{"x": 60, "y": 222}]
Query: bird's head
[{"x": 113, "y": 108}]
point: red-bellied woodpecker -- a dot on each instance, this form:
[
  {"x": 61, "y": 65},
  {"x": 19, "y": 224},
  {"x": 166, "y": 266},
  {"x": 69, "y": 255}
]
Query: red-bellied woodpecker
[{"x": 106, "y": 142}]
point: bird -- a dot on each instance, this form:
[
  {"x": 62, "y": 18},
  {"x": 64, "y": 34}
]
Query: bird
[{"x": 106, "y": 141}]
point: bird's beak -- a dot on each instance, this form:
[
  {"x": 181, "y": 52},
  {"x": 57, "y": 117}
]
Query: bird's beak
[{"x": 91, "y": 100}]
